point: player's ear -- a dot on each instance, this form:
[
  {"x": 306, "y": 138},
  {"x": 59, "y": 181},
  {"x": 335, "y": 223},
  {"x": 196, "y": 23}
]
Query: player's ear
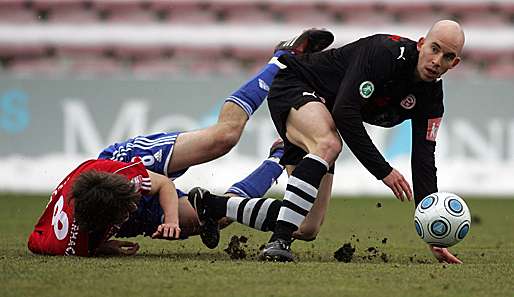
[
  {"x": 420, "y": 43},
  {"x": 455, "y": 62}
]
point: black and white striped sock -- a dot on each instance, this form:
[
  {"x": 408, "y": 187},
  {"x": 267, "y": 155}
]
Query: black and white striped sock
[
  {"x": 260, "y": 214},
  {"x": 301, "y": 191}
]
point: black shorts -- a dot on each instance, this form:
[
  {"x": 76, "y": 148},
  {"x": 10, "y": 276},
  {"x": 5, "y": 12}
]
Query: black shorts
[{"x": 286, "y": 92}]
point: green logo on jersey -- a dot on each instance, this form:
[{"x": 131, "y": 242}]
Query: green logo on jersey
[{"x": 366, "y": 89}]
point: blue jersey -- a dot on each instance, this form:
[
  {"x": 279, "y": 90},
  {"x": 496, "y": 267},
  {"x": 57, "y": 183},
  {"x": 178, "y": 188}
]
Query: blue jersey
[
  {"x": 145, "y": 220},
  {"x": 155, "y": 150}
]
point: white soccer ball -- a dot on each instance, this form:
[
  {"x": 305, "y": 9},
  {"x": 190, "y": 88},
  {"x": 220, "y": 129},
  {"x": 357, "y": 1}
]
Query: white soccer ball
[{"x": 442, "y": 219}]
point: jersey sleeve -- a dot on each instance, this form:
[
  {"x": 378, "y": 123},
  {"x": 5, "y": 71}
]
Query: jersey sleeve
[
  {"x": 424, "y": 134},
  {"x": 135, "y": 171},
  {"x": 365, "y": 75}
]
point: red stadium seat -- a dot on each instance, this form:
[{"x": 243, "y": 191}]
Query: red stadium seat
[
  {"x": 16, "y": 12},
  {"x": 306, "y": 14},
  {"x": 125, "y": 11},
  {"x": 365, "y": 13},
  {"x": 66, "y": 11},
  {"x": 184, "y": 12},
  {"x": 243, "y": 13},
  {"x": 96, "y": 66},
  {"x": 36, "y": 67},
  {"x": 23, "y": 50}
]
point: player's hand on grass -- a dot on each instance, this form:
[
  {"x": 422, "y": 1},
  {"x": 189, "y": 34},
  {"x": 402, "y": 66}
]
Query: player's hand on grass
[
  {"x": 444, "y": 255},
  {"x": 118, "y": 247},
  {"x": 167, "y": 231},
  {"x": 399, "y": 185}
]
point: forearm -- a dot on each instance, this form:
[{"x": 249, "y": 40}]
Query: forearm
[{"x": 168, "y": 200}]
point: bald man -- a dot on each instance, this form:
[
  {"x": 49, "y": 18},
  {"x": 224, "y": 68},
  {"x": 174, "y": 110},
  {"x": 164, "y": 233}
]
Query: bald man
[{"x": 318, "y": 98}]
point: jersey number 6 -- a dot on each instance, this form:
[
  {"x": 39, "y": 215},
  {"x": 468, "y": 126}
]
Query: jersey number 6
[{"x": 60, "y": 219}]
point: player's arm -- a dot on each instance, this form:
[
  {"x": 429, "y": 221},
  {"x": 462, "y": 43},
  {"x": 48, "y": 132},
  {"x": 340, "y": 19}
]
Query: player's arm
[
  {"x": 117, "y": 248},
  {"x": 424, "y": 176},
  {"x": 168, "y": 199},
  {"x": 375, "y": 68},
  {"x": 424, "y": 171}
]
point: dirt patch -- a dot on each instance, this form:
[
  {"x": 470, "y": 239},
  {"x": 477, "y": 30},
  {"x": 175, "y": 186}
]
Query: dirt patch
[
  {"x": 236, "y": 247},
  {"x": 379, "y": 205},
  {"x": 373, "y": 253},
  {"x": 345, "y": 253}
]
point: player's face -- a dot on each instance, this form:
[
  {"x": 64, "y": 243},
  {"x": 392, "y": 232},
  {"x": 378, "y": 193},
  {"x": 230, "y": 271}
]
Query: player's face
[
  {"x": 436, "y": 56},
  {"x": 132, "y": 208}
]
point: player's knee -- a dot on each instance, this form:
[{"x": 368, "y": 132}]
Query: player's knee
[
  {"x": 228, "y": 135},
  {"x": 228, "y": 140},
  {"x": 330, "y": 147}
]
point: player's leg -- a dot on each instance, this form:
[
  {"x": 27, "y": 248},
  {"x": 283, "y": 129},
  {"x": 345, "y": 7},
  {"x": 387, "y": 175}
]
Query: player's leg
[
  {"x": 258, "y": 182},
  {"x": 203, "y": 145},
  {"x": 257, "y": 213},
  {"x": 311, "y": 225},
  {"x": 261, "y": 213},
  {"x": 254, "y": 185},
  {"x": 323, "y": 145}
]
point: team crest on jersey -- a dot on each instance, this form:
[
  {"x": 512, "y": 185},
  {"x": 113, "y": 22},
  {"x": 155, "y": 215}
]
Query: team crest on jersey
[
  {"x": 137, "y": 181},
  {"x": 366, "y": 89},
  {"x": 408, "y": 102}
]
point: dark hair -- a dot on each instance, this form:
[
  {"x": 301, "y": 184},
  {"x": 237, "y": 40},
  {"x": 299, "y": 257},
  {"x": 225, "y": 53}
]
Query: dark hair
[{"x": 102, "y": 199}]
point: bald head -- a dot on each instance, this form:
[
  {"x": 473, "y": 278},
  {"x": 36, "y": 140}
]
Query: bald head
[
  {"x": 439, "y": 50},
  {"x": 449, "y": 32}
]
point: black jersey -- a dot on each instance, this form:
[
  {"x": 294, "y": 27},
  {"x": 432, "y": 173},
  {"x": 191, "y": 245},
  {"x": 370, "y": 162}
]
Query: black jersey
[{"x": 373, "y": 80}]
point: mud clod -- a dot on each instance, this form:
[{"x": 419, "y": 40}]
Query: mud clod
[
  {"x": 236, "y": 247},
  {"x": 345, "y": 253}
]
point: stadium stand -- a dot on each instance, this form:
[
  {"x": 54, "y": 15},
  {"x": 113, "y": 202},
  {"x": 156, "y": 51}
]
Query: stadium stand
[{"x": 201, "y": 37}]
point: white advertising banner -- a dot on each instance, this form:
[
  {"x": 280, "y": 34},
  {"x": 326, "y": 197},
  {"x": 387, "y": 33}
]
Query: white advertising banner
[{"x": 47, "y": 127}]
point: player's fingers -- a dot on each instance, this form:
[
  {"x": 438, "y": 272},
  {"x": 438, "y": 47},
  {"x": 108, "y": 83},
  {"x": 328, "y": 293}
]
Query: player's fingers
[
  {"x": 177, "y": 232},
  {"x": 399, "y": 191},
  {"x": 166, "y": 231},
  {"x": 132, "y": 250},
  {"x": 395, "y": 191},
  {"x": 449, "y": 258},
  {"x": 407, "y": 188}
]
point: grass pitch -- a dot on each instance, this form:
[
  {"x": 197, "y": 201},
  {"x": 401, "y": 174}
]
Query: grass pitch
[{"x": 389, "y": 259}]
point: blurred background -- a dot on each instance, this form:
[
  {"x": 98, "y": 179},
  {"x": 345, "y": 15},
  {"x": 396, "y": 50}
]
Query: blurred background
[{"x": 76, "y": 76}]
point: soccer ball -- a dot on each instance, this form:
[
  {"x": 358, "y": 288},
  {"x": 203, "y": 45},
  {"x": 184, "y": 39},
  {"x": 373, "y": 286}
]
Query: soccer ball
[{"x": 442, "y": 219}]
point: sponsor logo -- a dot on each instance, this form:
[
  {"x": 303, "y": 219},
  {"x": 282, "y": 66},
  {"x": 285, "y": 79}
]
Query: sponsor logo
[
  {"x": 158, "y": 156},
  {"x": 263, "y": 85},
  {"x": 309, "y": 94},
  {"x": 366, "y": 89},
  {"x": 315, "y": 96},
  {"x": 408, "y": 102},
  {"x": 402, "y": 50},
  {"x": 433, "y": 128}
]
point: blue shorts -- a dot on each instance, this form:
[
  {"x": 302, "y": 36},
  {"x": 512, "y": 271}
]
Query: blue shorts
[
  {"x": 145, "y": 220},
  {"x": 155, "y": 150}
]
